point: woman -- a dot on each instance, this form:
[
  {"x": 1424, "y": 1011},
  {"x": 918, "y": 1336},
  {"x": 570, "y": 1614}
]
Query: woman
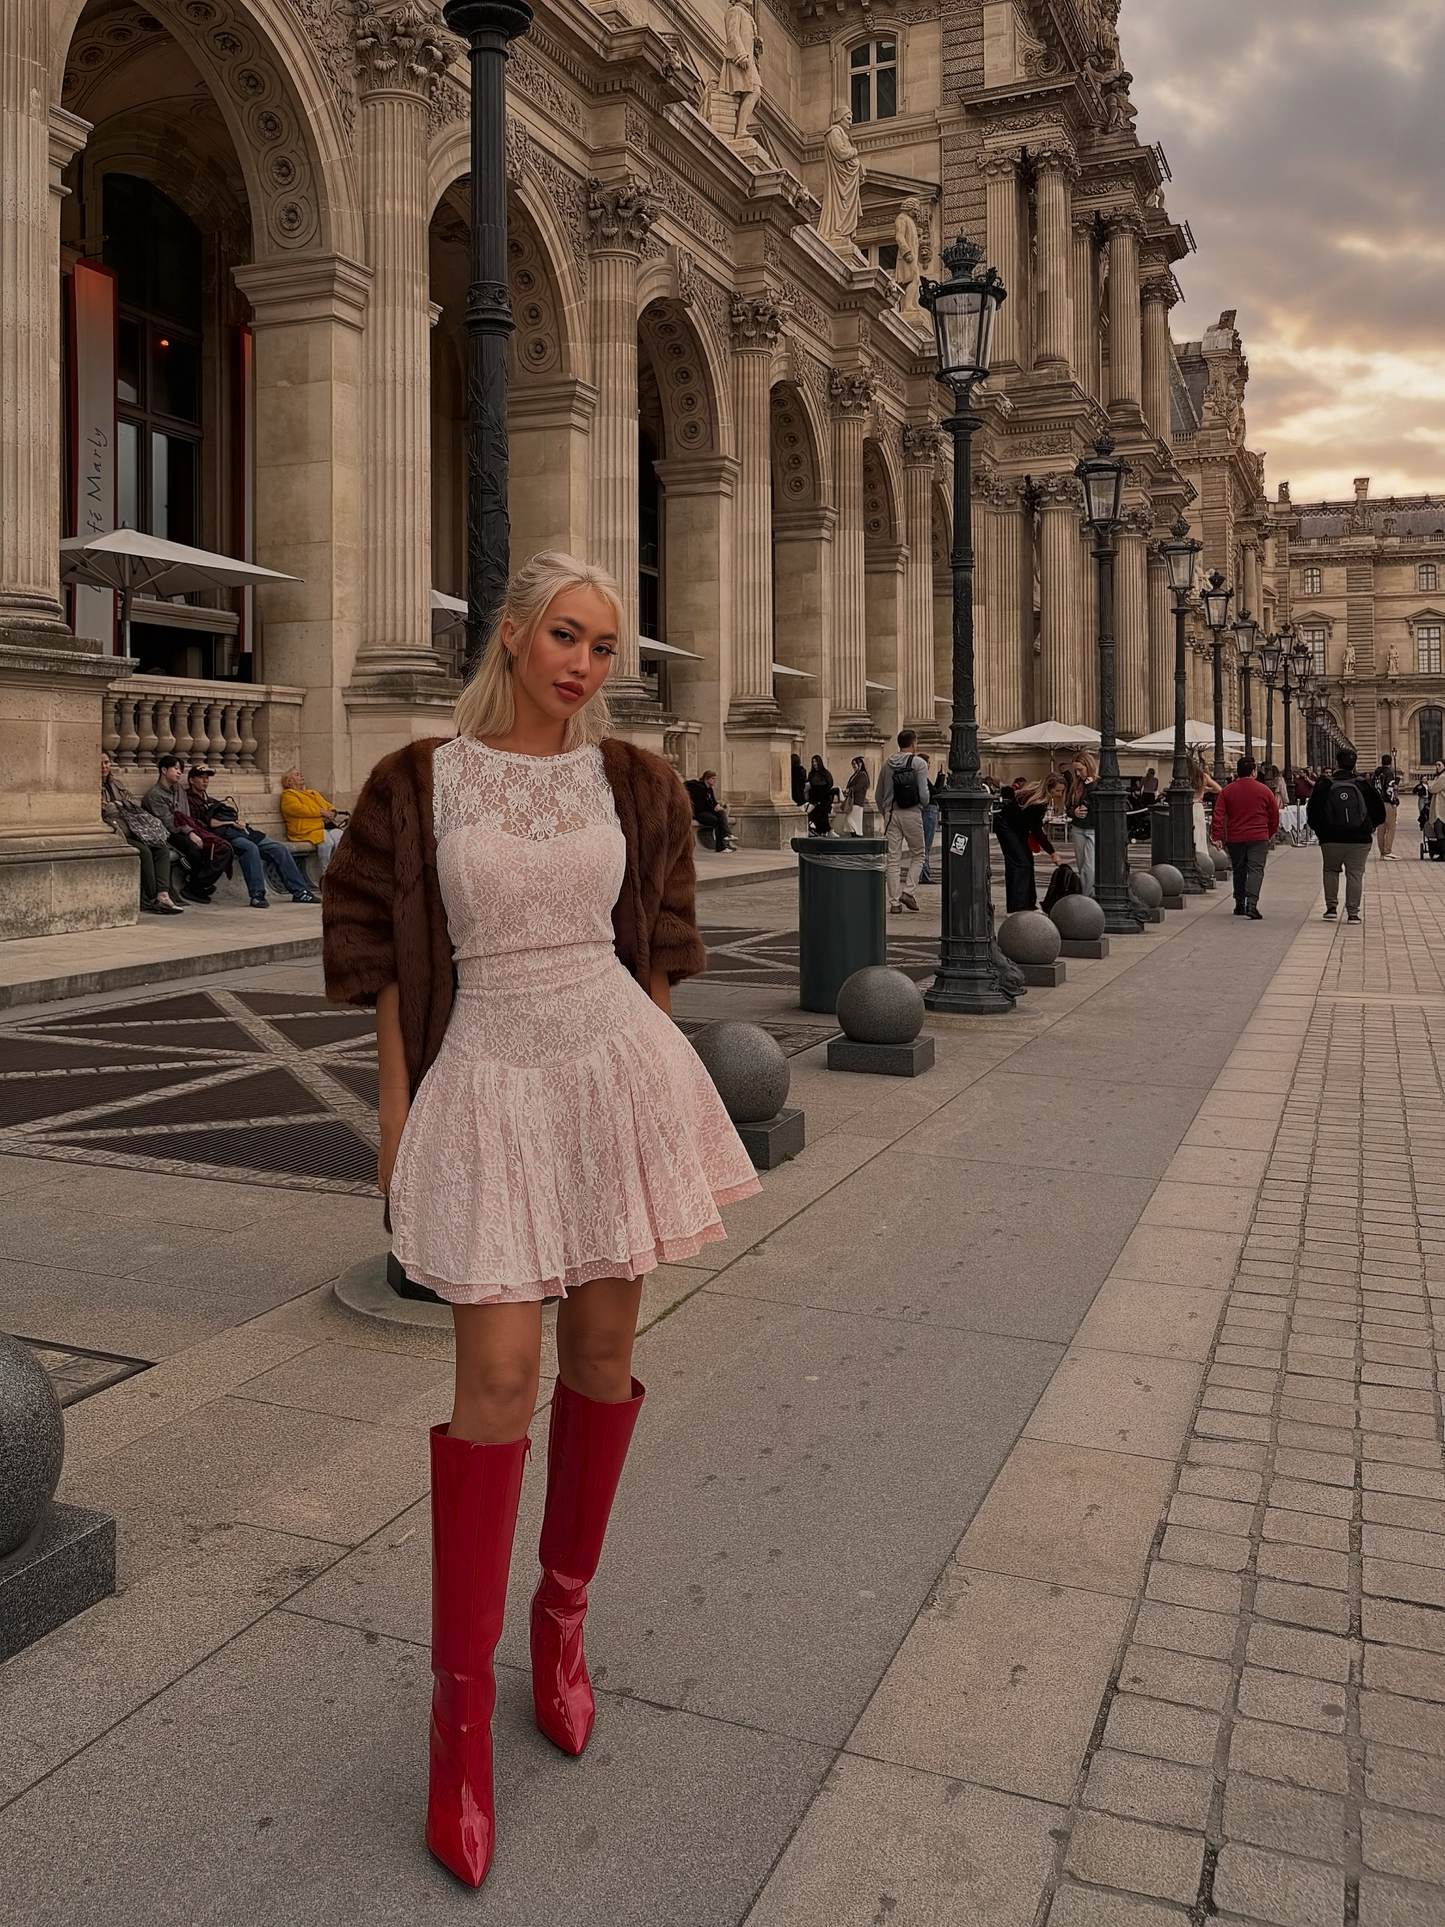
[
  {"x": 821, "y": 796},
  {"x": 1202, "y": 784},
  {"x": 546, "y": 1131},
  {"x": 1083, "y": 819},
  {"x": 146, "y": 835},
  {"x": 855, "y": 796},
  {"x": 1020, "y": 818},
  {"x": 309, "y": 818}
]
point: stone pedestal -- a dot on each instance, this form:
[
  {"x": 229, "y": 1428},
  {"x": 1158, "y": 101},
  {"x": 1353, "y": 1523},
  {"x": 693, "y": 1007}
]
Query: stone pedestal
[
  {"x": 881, "y": 1060},
  {"x": 1093, "y": 948},
  {"x": 774, "y": 1141},
  {"x": 66, "y": 1565},
  {"x": 61, "y": 869},
  {"x": 1044, "y": 976}
]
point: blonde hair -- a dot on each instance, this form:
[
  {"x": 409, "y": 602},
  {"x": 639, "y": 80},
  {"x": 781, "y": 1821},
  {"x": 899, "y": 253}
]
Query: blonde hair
[
  {"x": 486, "y": 706},
  {"x": 287, "y": 784}
]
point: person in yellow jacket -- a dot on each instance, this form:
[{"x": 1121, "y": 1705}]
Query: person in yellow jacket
[{"x": 308, "y": 817}]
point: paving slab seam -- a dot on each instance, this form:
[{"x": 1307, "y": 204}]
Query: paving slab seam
[{"x": 965, "y": 1560}]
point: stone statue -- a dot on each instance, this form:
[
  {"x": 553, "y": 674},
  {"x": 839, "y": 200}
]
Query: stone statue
[
  {"x": 909, "y": 266},
  {"x": 742, "y": 50},
  {"x": 1349, "y": 662},
  {"x": 842, "y": 185},
  {"x": 1120, "y": 112},
  {"x": 1392, "y": 666}
]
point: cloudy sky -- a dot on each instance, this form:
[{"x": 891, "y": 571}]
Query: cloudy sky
[{"x": 1308, "y": 147}]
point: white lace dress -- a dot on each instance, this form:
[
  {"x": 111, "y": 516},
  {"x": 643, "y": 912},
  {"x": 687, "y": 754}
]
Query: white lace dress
[{"x": 567, "y": 1130}]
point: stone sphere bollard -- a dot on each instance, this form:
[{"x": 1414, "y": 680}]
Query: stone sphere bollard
[
  {"x": 748, "y": 1067},
  {"x": 1029, "y": 937},
  {"x": 877, "y": 1005},
  {"x": 1147, "y": 888},
  {"x": 1078, "y": 919},
  {"x": 1170, "y": 880},
  {"x": 1222, "y": 865},
  {"x": 32, "y": 1443}
]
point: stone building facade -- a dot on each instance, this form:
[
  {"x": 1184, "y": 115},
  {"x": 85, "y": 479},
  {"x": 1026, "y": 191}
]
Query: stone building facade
[
  {"x": 721, "y": 383},
  {"x": 1364, "y": 583}
]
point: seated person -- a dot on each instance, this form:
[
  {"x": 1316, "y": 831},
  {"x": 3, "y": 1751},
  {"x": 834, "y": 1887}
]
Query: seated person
[
  {"x": 207, "y": 858},
  {"x": 309, "y": 818},
  {"x": 221, "y": 820},
  {"x": 147, "y": 836},
  {"x": 709, "y": 815}
]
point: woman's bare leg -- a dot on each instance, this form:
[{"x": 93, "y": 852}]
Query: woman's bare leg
[
  {"x": 595, "y": 1328},
  {"x": 499, "y": 1354}
]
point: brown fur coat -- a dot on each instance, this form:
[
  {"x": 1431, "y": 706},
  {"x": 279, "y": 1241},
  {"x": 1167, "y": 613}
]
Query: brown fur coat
[{"x": 384, "y": 922}]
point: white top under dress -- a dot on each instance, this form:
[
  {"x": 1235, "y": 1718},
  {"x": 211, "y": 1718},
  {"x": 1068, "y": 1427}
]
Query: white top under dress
[{"x": 567, "y": 1130}]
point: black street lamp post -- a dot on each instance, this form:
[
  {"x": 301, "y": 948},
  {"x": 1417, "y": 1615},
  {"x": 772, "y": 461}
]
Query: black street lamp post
[
  {"x": 1245, "y": 631},
  {"x": 1216, "y": 597},
  {"x": 1299, "y": 659},
  {"x": 963, "y": 309},
  {"x": 1102, "y": 476},
  {"x": 1271, "y": 661},
  {"x": 1180, "y": 555},
  {"x": 488, "y": 27}
]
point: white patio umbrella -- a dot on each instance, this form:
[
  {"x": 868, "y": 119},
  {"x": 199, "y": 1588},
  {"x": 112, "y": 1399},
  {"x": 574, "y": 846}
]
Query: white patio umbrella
[
  {"x": 1196, "y": 736},
  {"x": 1050, "y": 735},
  {"x": 649, "y": 646},
  {"x": 448, "y": 612},
  {"x": 128, "y": 561}
]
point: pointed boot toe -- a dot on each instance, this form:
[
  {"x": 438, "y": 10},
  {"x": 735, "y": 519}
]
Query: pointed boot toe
[{"x": 561, "y": 1689}]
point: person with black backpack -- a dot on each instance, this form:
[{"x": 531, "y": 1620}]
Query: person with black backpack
[
  {"x": 1386, "y": 780},
  {"x": 901, "y": 792},
  {"x": 1344, "y": 812}
]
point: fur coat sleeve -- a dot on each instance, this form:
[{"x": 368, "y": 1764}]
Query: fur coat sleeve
[{"x": 655, "y": 918}]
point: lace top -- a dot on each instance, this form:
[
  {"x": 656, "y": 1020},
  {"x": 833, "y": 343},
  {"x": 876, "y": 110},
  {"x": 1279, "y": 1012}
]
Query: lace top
[{"x": 538, "y": 797}]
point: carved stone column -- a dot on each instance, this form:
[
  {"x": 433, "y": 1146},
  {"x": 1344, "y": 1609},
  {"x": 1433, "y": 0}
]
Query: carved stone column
[
  {"x": 1003, "y": 687},
  {"x": 852, "y": 396},
  {"x": 1131, "y": 625},
  {"x": 922, "y": 446},
  {"x": 1251, "y": 579},
  {"x": 1001, "y": 190},
  {"x": 1125, "y": 346},
  {"x": 1057, "y": 168},
  {"x": 1063, "y": 649},
  {"x": 756, "y": 326},
  {"x": 1085, "y": 300},
  {"x": 1159, "y": 295},
  {"x": 1161, "y": 644},
  {"x": 400, "y": 56},
  {"x": 621, "y": 214}
]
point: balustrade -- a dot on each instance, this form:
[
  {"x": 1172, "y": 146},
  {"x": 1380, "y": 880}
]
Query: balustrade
[{"x": 232, "y": 726}]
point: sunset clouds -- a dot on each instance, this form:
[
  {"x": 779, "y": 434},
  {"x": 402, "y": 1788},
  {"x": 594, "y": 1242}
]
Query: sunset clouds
[{"x": 1308, "y": 147}]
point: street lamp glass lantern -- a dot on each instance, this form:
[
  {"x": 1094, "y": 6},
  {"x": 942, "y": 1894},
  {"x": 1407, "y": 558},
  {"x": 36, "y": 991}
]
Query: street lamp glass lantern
[
  {"x": 1216, "y": 598},
  {"x": 1271, "y": 656},
  {"x": 963, "y": 309},
  {"x": 1180, "y": 555},
  {"x": 1301, "y": 658},
  {"x": 1246, "y": 629},
  {"x": 1102, "y": 475}
]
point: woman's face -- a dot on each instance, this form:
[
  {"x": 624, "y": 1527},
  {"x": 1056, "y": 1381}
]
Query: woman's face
[
  {"x": 104, "y": 767},
  {"x": 572, "y": 652}
]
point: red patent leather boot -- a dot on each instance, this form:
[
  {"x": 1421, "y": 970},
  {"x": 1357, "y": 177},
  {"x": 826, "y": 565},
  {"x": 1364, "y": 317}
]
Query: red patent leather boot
[
  {"x": 474, "y": 1493},
  {"x": 585, "y": 1452}
]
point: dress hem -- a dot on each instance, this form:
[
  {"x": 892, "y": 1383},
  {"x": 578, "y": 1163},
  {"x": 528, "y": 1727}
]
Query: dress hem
[{"x": 636, "y": 1265}]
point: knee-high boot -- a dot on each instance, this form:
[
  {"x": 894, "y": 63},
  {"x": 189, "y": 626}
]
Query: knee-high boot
[
  {"x": 474, "y": 1493},
  {"x": 585, "y": 1452}
]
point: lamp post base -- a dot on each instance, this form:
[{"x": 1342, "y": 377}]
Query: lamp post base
[
  {"x": 967, "y": 984},
  {"x": 1181, "y": 839},
  {"x": 1111, "y": 867}
]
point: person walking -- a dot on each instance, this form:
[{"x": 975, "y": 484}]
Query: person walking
[
  {"x": 516, "y": 903},
  {"x": 1246, "y": 817},
  {"x": 900, "y": 794},
  {"x": 929, "y": 818},
  {"x": 1020, "y": 817},
  {"x": 855, "y": 796},
  {"x": 1386, "y": 780},
  {"x": 1083, "y": 817},
  {"x": 822, "y": 794},
  {"x": 1344, "y": 812}
]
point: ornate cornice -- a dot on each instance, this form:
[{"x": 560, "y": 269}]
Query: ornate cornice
[
  {"x": 401, "y": 49},
  {"x": 620, "y": 214}
]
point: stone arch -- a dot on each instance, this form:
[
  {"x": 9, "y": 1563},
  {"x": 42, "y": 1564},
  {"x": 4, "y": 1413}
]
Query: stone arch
[
  {"x": 282, "y": 84},
  {"x": 881, "y": 496},
  {"x": 797, "y": 477},
  {"x": 688, "y": 394}
]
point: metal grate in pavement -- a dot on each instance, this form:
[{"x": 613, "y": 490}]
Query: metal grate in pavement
[{"x": 76, "y": 1373}]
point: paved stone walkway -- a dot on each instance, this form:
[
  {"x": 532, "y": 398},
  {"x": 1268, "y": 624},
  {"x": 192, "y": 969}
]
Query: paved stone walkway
[{"x": 1041, "y": 1521}]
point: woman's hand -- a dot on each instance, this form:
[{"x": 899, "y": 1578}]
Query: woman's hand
[
  {"x": 1055, "y": 859},
  {"x": 395, "y": 1101},
  {"x": 1081, "y": 810},
  {"x": 391, "y": 1117}
]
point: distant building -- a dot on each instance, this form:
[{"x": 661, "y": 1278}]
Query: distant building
[{"x": 1364, "y": 582}]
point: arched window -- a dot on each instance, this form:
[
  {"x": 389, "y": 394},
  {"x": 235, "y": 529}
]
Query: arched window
[
  {"x": 156, "y": 254},
  {"x": 1427, "y": 577},
  {"x": 1432, "y": 736},
  {"x": 874, "y": 76}
]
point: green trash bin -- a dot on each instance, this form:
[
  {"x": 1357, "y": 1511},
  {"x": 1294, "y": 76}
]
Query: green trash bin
[{"x": 842, "y": 913}]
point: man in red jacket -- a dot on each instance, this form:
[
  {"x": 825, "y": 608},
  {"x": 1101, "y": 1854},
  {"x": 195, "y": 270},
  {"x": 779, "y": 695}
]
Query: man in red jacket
[{"x": 1246, "y": 816}]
